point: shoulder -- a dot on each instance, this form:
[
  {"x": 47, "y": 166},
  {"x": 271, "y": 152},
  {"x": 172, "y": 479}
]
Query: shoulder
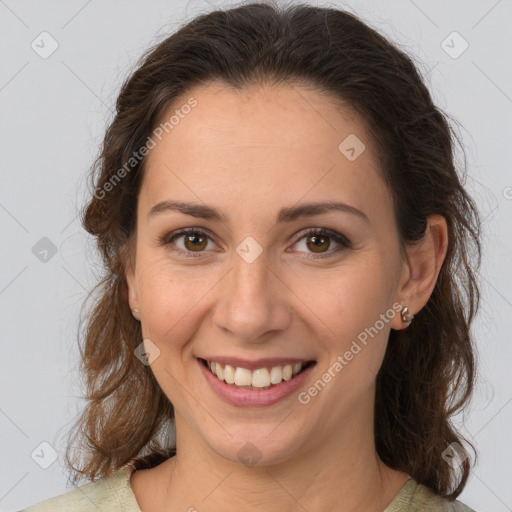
[
  {"x": 107, "y": 494},
  {"x": 416, "y": 497}
]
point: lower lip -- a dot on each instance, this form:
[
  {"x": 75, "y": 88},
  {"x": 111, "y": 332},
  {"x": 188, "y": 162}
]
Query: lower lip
[{"x": 251, "y": 397}]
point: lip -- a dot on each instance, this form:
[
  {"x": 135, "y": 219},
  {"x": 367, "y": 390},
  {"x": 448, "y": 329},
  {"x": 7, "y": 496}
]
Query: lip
[{"x": 255, "y": 398}]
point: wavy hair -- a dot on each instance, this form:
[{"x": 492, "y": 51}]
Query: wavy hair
[{"x": 428, "y": 371}]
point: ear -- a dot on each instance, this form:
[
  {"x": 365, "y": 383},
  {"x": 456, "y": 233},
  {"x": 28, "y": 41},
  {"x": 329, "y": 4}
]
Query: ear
[
  {"x": 424, "y": 261},
  {"x": 133, "y": 297}
]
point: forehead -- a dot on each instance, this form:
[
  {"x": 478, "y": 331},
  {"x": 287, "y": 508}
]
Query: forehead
[
  {"x": 290, "y": 116},
  {"x": 262, "y": 145}
]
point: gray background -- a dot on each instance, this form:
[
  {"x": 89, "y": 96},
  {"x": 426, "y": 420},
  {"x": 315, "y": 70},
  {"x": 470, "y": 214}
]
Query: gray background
[{"x": 53, "y": 114}]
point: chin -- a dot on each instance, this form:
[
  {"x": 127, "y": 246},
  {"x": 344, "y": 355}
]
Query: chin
[{"x": 253, "y": 447}]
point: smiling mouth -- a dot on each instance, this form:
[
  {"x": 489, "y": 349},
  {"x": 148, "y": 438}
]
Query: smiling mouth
[{"x": 259, "y": 379}]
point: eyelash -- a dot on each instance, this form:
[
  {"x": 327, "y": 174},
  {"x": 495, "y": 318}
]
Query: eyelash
[{"x": 344, "y": 243}]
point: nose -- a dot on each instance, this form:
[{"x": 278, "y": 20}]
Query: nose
[{"x": 253, "y": 304}]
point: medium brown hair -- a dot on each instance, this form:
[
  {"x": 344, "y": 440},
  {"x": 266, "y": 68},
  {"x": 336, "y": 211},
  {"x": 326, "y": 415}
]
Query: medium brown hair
[{"x": 428, "y": 370}]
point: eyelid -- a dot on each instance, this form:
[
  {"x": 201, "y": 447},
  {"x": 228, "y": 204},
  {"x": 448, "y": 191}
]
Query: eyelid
[
  {"x": 342, "y": 241},
  {"x": 166, "y": 240},
  {"x": 339, "y": 238}
]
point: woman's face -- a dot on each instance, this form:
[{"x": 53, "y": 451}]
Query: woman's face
[{"x": 254, "y": 289}]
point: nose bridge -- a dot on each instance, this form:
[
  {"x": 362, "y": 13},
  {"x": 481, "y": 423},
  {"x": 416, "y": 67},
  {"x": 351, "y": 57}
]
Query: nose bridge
[
  {"x": 251, "y": 302},
  {"x": 250, "y": 279}
]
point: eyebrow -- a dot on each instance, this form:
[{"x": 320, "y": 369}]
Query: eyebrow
[{"x": 286, "y": 214}]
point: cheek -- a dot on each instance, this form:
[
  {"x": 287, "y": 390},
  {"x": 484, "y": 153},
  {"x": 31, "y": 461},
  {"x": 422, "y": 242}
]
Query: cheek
[
  {"x": 354, "y": 309},
  {"x": 337, "y": 305},
  {"x": 350, "y": 297},
  {"x": 172, "y": 298},
  {"x": 358, "y": 314},
  {"x": 171, "y": 301}
]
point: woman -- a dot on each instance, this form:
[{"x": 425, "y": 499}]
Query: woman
[{"x": 289, "y": 278}]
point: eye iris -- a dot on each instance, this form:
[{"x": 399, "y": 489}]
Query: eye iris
[
  {"x": 196, "y": 242},
  {"x": 191, "y": 238},
  {"x": 315, "y": 239}
]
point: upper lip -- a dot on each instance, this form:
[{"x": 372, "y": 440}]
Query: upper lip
[{"x": 255, "y": 364}]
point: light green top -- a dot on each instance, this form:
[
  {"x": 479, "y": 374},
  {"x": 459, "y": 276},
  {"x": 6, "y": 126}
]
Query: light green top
[{"x": 114, "y": 494}]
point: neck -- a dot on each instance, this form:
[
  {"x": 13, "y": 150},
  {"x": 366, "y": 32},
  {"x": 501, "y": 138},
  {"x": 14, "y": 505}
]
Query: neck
[{"x": 343, "y": 473}]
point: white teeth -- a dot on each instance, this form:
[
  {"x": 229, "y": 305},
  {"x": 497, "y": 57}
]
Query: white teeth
[
  {"x": 260, "y": 378},
  {"x": 229, "y": 374},
  {"x": 276, "y": 375},
  {"x": 243, "y": 377}
]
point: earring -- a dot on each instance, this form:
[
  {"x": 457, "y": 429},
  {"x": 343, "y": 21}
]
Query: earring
[
  {"x": 136, "y": 310},
  {"x": 406, "y": 316}
]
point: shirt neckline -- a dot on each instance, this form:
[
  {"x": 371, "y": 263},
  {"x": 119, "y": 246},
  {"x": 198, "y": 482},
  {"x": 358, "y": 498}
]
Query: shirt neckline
[{"x": 130, "y": 499}]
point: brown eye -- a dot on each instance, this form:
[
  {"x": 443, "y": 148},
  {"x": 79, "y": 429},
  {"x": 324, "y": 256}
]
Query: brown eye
[
  {"x": 319, "y": 243},
  {"x": 319, "y": 240},
  {"x": 195, "y": 241}
]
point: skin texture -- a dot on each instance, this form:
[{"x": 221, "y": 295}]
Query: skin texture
[{"x": 249, "y": 153}]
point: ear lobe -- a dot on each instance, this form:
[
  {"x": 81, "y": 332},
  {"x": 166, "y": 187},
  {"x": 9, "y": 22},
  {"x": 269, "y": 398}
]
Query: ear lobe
[{"x": 424, "y": 260}]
